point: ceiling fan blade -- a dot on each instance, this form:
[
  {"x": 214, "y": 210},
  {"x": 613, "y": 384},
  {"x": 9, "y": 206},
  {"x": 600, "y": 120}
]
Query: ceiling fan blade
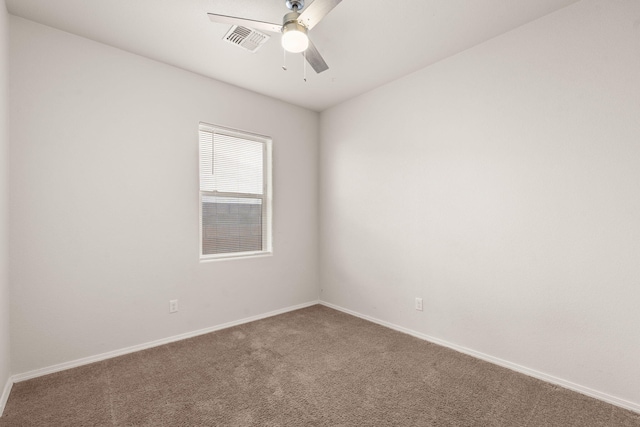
[
  {"x": 317, "y": 10},
  {"x": 256, "y": 25},
  {"x": 314, "y": 58}
]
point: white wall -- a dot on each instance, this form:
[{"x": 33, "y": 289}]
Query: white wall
[
  {"x": 502, "y": 186},
  {"x": 5, "y": 370},
  {"x": 104, "y": 200}
]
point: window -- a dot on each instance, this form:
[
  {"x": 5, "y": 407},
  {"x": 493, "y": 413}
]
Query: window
[{"x": 235, "y": 193}]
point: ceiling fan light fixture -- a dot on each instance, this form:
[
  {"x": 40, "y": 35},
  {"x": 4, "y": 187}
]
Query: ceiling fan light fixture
[{"x": 294, "y": 37}]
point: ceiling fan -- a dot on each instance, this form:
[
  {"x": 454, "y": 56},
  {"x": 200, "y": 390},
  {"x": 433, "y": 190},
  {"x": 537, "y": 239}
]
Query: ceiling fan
[{"x": 294, "y": 28}]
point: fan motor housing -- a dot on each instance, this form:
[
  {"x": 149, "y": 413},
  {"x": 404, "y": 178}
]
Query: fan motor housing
[
  {"x": 294, "y": 25},
  {"x": 291, "y": 17}
]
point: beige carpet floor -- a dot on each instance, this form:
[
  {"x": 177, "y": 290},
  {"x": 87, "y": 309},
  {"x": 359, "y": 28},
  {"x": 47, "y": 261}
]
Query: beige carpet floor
[{"x": 310, "y": 367}]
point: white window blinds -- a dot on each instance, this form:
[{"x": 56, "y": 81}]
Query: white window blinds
[{"x": 234, "y": 192}]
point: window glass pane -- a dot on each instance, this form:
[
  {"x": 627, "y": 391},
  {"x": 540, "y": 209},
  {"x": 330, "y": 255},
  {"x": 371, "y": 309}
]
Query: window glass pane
[
  {"x": 237, "y": 165},
  {"x": 207, "y": 182},
  {"x": 235, "y": 190},
  {"x": 231, "y": 225}
]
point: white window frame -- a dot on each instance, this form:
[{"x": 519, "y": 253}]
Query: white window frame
[{"x": 267, "y": 198}]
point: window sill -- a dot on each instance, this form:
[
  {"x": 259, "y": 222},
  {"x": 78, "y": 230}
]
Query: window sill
[{"x": 236, "y": 256}]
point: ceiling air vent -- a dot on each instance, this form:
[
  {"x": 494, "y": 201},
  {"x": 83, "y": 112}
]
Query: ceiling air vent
[{"x": 246, "y": 38}]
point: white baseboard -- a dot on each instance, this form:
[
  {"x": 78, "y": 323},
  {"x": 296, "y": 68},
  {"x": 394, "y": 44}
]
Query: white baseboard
[
  {"x": 91, "y": 359},
  {"x": 5, "y": 394},
  {"x": 632, "y": 406}
]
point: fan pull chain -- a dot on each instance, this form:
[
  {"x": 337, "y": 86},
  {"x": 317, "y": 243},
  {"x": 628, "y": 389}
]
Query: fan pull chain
[
  {"x": 304, "y": 65},
  {"x": 284, "y": 59}
]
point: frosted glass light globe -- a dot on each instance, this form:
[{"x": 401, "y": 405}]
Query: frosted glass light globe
[{"x": 293, "y": 39}]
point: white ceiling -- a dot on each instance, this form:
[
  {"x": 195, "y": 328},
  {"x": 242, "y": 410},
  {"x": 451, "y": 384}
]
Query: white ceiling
[{"x": 365, "y": 42}]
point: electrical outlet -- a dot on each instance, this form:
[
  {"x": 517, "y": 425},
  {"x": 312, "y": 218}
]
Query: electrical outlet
[
  {"x": 419, "y": 304},
  {"x": 173, "y": 306}
]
